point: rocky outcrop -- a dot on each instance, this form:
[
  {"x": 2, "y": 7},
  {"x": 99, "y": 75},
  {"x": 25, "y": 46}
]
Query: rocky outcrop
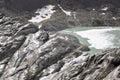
[
  {"x": 31, "y": 59},
  {"x": 67, "y": 4},
  {"x": 26, "y": 56},
  {"x": 33, "y": 54},
  {"x": 88, "y": 17},
  {"x": 83, "y": 12}
]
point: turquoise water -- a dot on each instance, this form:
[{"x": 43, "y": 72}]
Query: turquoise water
[{"x": 97, "y": 38}]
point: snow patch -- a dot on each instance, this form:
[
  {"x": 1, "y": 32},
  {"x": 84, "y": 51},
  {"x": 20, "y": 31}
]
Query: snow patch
[
  {"x": 44, "y": 14},
  {"x": 105, "y": 9},
  {"x": 98, "y": 38},
  {"x": 102, "y": 13},
  {"x": 114, "y": 18},
  {"x": 66, "y": 12},
  {"x": 93, "y": 9},
  {"x": 2, "y": 67},
  {"x": 40, "y": 26}
]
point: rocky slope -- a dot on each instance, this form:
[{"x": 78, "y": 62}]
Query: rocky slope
[
  {"x": 106, "y": 15},
  {"x": 28, "y": 53},
  {"x": 32, "y": 52},
  {"x": 80, "y": 12},
  {"x": 67, "y": 4}
]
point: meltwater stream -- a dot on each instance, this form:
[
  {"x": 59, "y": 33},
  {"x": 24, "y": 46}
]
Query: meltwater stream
[{"x": 97, "y": 38}]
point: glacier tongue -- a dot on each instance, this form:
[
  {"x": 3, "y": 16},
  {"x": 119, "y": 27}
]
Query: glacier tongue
[{"x": 98, "y": 38}]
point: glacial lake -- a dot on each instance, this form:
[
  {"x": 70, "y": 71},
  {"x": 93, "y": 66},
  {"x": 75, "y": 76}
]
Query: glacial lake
[{"x": 97, "y": 38}]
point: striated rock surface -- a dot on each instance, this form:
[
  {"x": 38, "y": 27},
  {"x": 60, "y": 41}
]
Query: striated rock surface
[{"x": 28, "y": 53}]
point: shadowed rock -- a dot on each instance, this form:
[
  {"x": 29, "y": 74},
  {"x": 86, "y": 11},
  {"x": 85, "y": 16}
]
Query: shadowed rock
[
  {"x": 25, "y": 30},
  {"x": 68, "y": 4}
]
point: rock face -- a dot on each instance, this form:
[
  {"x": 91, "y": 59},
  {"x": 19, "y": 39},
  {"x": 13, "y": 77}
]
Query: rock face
[
  {"x": 68, "y": 4},
  {"x": 41, "y": 55},
  {"x": 30, "y": 53},
  {"x": 83, "y": 12},
  {"x": 88, "y": 17},
  {"x": 26, "y": 5}
]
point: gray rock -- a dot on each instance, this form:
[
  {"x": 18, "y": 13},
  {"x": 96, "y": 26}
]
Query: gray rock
[
  {"x": 43, "y": 36},
  {"x": 68, "y": 4},
  {"x": 32, "y": 54},
  {"x": 27, "y": 29}
]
